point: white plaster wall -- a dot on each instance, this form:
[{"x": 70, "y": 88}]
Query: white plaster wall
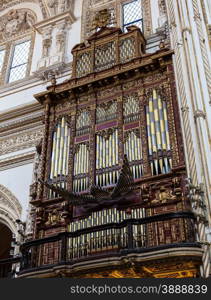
[
  {"x": 155, "y": 15},
  {"x": 74, "y": 34},
  {"x": 23, "y": 96},
  {"x": 37, "y": 52},
  {"x": 18, "y": 180}
]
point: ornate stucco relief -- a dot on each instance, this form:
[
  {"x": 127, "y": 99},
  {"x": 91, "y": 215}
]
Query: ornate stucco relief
[
  {"x": 15, "y": 22},
  {"x": 20, "y": 141},
  {"x": 10, "y": 3},
  {"x": 55, "y": 7}
]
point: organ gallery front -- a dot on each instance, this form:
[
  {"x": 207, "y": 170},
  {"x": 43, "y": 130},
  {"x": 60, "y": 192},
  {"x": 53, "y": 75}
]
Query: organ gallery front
[{"x": 111, "y": 196}]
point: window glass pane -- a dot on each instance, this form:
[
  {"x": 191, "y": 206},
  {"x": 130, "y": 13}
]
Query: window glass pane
[
  {"x": 132, "y": 11},
  {"x": 21, "y": 53},
  {"x": 19, "y": 61},
  {"x": 18, "y": 73},
  {"x": 132, "y": 14},
  {"x": 2, "y": 52}
]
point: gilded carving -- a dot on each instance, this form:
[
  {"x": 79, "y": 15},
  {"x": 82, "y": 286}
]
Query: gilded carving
[
  {"x": 54, "y": 218},
  {"x": 163, "y": 196},
  {"x": 101, "y": 19}
]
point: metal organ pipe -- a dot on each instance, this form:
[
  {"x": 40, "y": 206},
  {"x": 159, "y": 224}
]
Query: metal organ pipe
[
  {"x": 158, "y": 134},
  {"x": 81, "y": 168},
  {"x": 59, "y": 156}
]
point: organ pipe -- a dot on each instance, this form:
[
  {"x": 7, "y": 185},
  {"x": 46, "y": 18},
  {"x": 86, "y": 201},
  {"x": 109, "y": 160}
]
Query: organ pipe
[
  {"x": 81, "y": 168},
  {"x": 158, "y": 134},
  {"x": 106, "y": 157},
  {"x": 133, "y": 150},
  {"x": 60, "y": 155}
]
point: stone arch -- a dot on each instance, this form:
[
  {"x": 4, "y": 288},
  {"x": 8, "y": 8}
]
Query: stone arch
[{"x": 10, "y": 209}]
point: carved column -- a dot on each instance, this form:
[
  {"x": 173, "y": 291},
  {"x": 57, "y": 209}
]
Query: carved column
[
  {"x": 165, "y": 91},
  {"x": 44, "y": 145},
  {"x": 92, "y": 145},
  {"x": 47, "y": 41},
  {"x": 120, "y": 128},
  {"x": 60, "y": 39},
  {"x": 71, "y": 153},
  {"x": 144, "y": 138}
]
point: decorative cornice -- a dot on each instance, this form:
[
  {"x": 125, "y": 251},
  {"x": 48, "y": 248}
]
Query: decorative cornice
[
  {"x": 46, "y": 74},
  {"x": 20, "y": 122},
  {"x": 20, "y": 141},
  {"x": 17, "y": 160},
  {"x": 68, "y": 16}
]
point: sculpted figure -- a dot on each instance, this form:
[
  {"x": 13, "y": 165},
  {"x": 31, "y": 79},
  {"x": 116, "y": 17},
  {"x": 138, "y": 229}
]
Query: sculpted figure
[
  {"x": 52, "y": 5},
  {"x": 163, "y": 196}
]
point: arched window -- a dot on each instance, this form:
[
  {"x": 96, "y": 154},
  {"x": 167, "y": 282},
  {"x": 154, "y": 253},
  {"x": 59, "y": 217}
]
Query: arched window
[{"x": 16, "y": 44}]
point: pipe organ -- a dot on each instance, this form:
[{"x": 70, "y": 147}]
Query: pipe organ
[
  {"x": 133, "y": 150},
  {"x": 158, "y": 134},
  {"x": 81, "y": 168},
  {"x": 107, "y": 157},
  {"x": 117, "y": 151},
  {"x": 60, "y": 155}
]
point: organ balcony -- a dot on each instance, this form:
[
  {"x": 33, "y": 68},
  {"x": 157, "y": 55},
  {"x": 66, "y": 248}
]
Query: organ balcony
[{"x": 110, "y": 195}]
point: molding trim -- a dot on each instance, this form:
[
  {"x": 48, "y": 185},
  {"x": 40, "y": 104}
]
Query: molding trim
[
  {"x": 17, "y": 160},
  {"x": 20, "y": 141}
]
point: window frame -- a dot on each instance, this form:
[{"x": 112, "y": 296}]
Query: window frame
[
  {"x": 11, "y": 57},
  {"x": 2, "y": 49},
  {"x": 9, "y": 47},
  {"x": 125, "y": 25}
]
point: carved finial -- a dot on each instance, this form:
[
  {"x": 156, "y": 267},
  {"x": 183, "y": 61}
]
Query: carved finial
[{"x": 101, "y": 19}]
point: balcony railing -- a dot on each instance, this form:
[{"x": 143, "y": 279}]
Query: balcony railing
[
  {"x": 8, "y": 267},
  {"x": 116, "y": 239}
]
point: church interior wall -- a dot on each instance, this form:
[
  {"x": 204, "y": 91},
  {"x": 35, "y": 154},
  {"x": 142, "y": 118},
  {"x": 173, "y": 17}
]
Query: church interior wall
[{"x": 18, "y": 180}]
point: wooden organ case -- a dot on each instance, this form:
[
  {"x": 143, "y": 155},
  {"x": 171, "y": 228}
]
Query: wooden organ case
[{"x": 111, "y": 180}]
